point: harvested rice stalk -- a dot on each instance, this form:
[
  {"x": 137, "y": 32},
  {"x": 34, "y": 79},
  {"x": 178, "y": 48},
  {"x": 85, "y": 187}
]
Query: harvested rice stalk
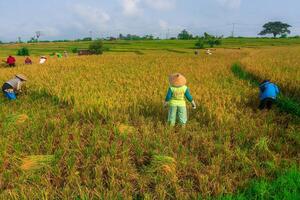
[{"x": 36, "y": 162}]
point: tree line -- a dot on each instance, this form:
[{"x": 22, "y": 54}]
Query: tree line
[{"x": 274, "y": 28}]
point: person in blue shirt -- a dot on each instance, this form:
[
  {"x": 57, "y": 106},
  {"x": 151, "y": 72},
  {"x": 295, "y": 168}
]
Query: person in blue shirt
[{"x": 268, "y": 94}]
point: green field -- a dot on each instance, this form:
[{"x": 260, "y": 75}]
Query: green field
[{"x": 183, "y": 46}]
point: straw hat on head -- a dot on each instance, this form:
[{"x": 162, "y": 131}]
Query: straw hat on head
[
  {"x": 177, "y": 80},
  {"x": 22, "y": 77}
]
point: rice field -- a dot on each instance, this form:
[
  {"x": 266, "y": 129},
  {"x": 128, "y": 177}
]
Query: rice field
[
  {"x": 94, "y": 127},
  {"x": 279, "y": 64}
]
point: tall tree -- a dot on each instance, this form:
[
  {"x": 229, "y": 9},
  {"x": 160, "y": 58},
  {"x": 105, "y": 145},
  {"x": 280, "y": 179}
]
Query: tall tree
[{"x": 275, "y": 28}]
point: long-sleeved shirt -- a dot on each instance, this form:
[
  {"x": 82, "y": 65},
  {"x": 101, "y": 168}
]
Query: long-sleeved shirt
[
  {"x": 28, "y": 61},
  {"x": 11, "y": 60},
  {"x": 43, "y": 60},
  {"x": 176, "y": 96},
  {"x": 16, "y": 83},
  {"x": 268, "y": 90}
]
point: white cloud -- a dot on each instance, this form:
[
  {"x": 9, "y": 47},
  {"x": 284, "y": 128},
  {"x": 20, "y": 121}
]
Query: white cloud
[
  {"x": 27, "y": 30},
  {"x": 131, "y": 8},
  {"x": 161, "y": 4},
  {"x": 49, "y": 31},
  {"x": 91, "y": 16},
  {"x": 233, "y": 4},
  {"x": 163, "y": 24}
]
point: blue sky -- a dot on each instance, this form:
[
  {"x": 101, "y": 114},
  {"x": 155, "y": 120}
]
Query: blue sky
[{"x": 71, "y": 19}]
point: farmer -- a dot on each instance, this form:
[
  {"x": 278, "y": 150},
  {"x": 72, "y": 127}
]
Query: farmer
[
  {"x": 11, "y": 61},
  {"x": 208, "y": 52},
  {"x": 268, "y": 94},
  {"x": 28, "y": 61},
  {"x": 13, "y": 87},
  {"x": 59, "y": 55},
  {"x": 43, "y": 59},
  {"x": 175, "y": 98},
  {"x": 66, "y": 54}
]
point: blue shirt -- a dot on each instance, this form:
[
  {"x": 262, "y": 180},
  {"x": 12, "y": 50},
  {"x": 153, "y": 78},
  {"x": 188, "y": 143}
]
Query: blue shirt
[{"x": 268, "y": 90}]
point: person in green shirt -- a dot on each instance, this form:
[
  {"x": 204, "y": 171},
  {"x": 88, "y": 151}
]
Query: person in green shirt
[
  {"x": 59, "y": 55},
  {"x": 175, "y": 98}
]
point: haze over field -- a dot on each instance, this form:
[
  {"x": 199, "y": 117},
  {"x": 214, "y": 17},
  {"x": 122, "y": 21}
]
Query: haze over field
[{"x": 71, "y": 19}]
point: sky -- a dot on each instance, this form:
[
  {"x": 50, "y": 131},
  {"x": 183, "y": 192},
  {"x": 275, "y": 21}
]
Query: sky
[{"x": 72, "y": 19}]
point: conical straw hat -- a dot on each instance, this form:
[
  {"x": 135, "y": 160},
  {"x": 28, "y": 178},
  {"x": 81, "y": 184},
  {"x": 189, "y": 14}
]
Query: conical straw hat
[
  {"x": 177, "y": 80},
  {"x": 22, "y": 77}
]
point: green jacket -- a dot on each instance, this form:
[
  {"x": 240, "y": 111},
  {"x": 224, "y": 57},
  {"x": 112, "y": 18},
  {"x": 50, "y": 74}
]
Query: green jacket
[{"x": 176, "y": 96}]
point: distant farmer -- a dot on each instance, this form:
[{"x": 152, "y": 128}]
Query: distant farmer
[
  {"x": 59, "y": 55},
  {"x": 11, "y": 61},
  {"x": 208, "y": 52},
  {"x": 43, "y": 59},
  {"x": 268, "y": 94},
  {"x": 28, "y": 61},
  {"x": 66, "y": 54},
  {"x": 13, "y": 87},
  {"x": 196, "y": 52},
  {"x": 175, "y": 98}
]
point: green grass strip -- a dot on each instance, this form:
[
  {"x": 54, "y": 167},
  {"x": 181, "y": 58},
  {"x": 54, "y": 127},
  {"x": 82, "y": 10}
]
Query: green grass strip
[{"x": 285, "y": 186}]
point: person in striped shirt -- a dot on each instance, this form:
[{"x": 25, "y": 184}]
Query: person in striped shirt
[{"x": 13, "y": 87}]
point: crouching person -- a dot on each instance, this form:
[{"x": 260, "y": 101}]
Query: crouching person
[
  {"x": 175, "y": 98},
  {"x": 13, "y": 87},
  {"x": 268, "y": 94}
]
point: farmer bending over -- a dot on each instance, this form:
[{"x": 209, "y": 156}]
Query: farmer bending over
[
  {"x": 43, "y": 59},
  {"x": 28, "y": 61},
  {"x": 11, "y": 61},
  {"x": 176, "y": 95},
  {"x": 268, "y": 94},
  {"x": 14, "y": 86},
  {"x": 59, "y": 55}
]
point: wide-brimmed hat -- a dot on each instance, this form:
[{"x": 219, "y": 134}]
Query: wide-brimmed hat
[
  {"x": 22, "y": 77},
  {"x": 43, "y": 57},
  {"x": 177, "y": 80}
]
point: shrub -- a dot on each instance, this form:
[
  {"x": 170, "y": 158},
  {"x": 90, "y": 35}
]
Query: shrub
[
  {"x": 87, "y": 39},
  {"x": 74, "y": 50},
  {"x": 218, "y": 42},
  {"x": 185, "y": 35},
  {"x": 208, "y": 40},
  {"x": 96, "y": 47},
  {"x": 23, "y": 52},
  {"x": 284, "y": 36},
  {"x": 200, "y": 44},
  {"x": 212, "y": 40}
]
